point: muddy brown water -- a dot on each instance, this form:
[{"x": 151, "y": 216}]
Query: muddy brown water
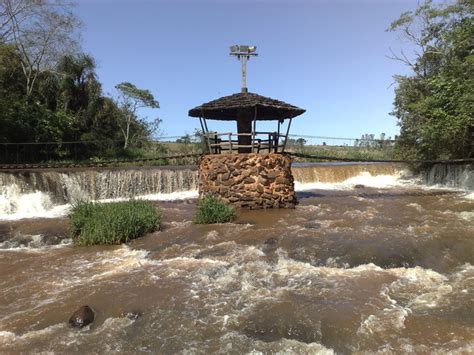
[{"x": 347, "y": 271}]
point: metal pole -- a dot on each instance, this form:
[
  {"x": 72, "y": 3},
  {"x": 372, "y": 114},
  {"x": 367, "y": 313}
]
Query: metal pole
[{"x": 243, "y": 60}]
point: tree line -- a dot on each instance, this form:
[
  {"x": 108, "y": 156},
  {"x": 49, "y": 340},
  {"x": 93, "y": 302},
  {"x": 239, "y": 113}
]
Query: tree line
[
  {"x": 434, "y": 105},
  {"x": 49, "y": 90}
]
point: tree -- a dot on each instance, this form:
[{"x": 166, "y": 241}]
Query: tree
[
  {"x": 131, "y": 99},
  {"x": 300, "y": 142},
  {"x": 40, "y": 30},
  {"x": 79, "y": 91},
  {"x": 186, "y": 139},
  {"x": 434, "y": 105}
]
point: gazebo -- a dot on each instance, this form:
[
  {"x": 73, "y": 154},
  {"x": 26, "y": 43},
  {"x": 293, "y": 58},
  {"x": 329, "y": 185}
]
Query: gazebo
[
  {"x": 259, "y": 176},
  {"x": 246, "y": 109}
]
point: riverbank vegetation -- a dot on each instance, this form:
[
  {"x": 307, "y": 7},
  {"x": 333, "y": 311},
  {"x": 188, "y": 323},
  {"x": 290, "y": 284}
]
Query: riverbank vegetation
[
  {"x": 92, "y": 223},
  {"x": 49, "y": 91},
  {"x": 346, "y": 151},
  {"x": 53, "y": 108},
  {"x": 211, "y": 209},
  {"x": 434, "y": 105}
]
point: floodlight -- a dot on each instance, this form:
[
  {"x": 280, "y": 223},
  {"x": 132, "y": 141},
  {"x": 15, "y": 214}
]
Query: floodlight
[
  {"x": 244, "y": 49},
  {"x": 243, "y": 53}
]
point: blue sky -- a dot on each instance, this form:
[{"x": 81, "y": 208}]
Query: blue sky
[{"x": 328, "y": 57}]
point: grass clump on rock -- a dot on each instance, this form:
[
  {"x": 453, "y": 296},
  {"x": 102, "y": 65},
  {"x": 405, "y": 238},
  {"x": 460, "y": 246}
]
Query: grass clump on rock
[
  {"x": 211, "y": 209},
  {"x": 92, "y": 223}
]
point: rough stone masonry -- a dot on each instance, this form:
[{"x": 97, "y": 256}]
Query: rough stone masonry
[{"x": 248, "y": 180}]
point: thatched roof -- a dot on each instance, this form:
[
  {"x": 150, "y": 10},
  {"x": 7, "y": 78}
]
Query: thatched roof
[{"x": 228, "y": 107}]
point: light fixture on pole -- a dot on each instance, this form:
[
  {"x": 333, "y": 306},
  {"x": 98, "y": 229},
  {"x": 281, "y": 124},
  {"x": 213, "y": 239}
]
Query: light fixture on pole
[{"x": 243, "y": 53}]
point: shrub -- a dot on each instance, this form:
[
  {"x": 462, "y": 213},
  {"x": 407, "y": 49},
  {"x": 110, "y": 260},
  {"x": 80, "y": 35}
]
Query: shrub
[
  {"x": 112, "y": 223},
  {"x": 212, "y": 209}
]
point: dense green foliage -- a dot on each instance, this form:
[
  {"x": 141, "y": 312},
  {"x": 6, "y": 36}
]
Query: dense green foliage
[
  {"x": 211, "y": 209},
  {"x": 435, "y": 105},
  {"x": 49, "y": 91},
  {"x": 112, "y": 223}
]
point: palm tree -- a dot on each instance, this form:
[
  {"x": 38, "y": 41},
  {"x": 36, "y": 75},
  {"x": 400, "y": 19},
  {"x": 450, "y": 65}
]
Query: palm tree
[{"x": 79, "y": 89}]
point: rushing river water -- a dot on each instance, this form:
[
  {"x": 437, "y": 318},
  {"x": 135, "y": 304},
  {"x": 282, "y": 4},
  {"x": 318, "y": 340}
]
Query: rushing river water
[{"x": 369, "y": 261}]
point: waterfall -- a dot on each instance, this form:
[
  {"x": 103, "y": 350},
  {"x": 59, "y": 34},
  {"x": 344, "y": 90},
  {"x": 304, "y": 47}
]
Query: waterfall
[
  {"x": 48, "y": 193},
  {"x": 41, "y": 193},
  {"x": 335, "y": 173},
  {"x": 452, "y": 175},
  {"x": 69, "y": 186}
]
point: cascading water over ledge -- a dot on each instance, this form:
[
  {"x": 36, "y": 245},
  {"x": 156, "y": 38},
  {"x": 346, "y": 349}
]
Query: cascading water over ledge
[
  {"x": 459, "y": 176},
  {"x": 305, "y": 173},
  {"x": 48, "y": 193},
  {"x": 73, "y": 185}
]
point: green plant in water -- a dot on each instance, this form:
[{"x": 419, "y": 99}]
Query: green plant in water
[
  {"x": 93, "y": 223},
  {"x": 211, "y": 209}
]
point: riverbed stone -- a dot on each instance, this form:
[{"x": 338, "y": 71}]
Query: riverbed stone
[
  {"x": 249, "y": 180},
  {"x": 82, "y": 317}
]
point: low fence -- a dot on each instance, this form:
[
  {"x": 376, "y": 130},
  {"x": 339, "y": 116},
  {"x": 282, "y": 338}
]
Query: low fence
[
  {"x": 90, "y": 151},
  {"x": 255, "y": 142}
]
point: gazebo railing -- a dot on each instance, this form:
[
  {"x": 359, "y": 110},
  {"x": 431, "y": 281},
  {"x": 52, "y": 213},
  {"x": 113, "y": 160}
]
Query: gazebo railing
[{"x": 260, "y": 142}]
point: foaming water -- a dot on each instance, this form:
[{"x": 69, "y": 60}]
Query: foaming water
[
  {"x": 49, "y": 194},
  {"x": 349, "y": 270},
  {"x": 364, "y": 179},
  {"x": 369, "y": 261},
  {"x": 459, "y": 176},
  {"x": 330, "y": 174},
  {"x": 33, "y": 242},
  {"x": 16, "y": 206}
]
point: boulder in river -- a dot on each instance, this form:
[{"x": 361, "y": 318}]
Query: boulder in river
[
  {"x": 359, "y": 186},
  {"x": 82, "y": 317}
]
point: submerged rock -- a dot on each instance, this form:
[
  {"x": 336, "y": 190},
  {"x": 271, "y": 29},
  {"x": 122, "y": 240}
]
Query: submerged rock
[
  {"x": 270, "y": 322},
  {"x": 82, "y": 317},
  {"x": 271, "y": 241},
  {"x": 312, "y": 225},
  {"x": 359, "y": 186}
]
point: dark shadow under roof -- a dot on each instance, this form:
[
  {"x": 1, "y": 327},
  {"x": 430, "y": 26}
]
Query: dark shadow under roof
[{"x": 227, "y": 108}]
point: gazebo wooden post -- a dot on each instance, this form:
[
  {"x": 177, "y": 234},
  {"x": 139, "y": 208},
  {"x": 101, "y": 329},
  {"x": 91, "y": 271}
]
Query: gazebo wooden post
[
  {"x": 207, "y": 132},
  {"x": 278, "y": 137},
  {"x": 286, "y": 136},
  {"x": 204, "y": 133},
  {"x": 254, "y": 128},
  {"x": 244, "y": 131}
]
